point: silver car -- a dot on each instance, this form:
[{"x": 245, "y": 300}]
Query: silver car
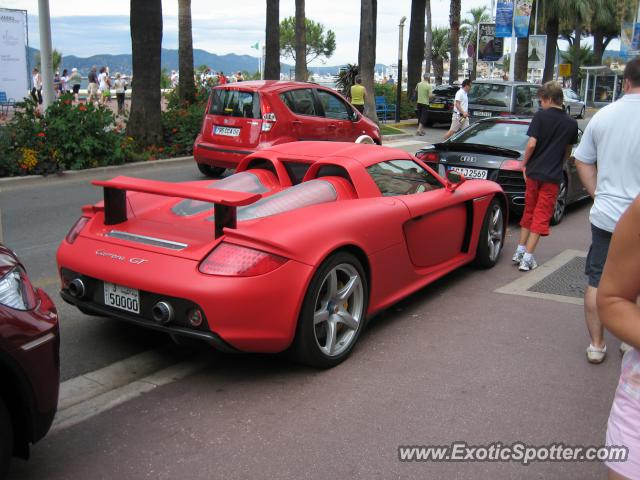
[{"x": 573, "y": 104}]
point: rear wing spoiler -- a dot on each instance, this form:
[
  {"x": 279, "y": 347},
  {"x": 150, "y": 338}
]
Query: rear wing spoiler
[{"x": 225, "y": 201}]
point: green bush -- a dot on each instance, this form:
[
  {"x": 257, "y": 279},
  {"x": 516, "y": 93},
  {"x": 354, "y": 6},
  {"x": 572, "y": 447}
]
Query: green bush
[
  {"x": 181, "y": 123},
  {"x": 389, "y": 92}
]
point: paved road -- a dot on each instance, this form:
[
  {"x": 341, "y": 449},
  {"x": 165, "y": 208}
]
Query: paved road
[{"x": 455, "y": 361}]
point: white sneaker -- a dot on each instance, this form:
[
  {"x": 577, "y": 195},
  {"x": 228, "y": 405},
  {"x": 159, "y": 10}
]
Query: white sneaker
[
  {"x": 624, "y": 348},
  {"x": 595, "y": 354},
  {"x": 517, "y": 257},
  {"x": 527, "y": 264}
]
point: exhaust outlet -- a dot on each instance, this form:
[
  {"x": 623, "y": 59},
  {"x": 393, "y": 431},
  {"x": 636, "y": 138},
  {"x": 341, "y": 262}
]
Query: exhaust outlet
[
  {"x": 77, "y": 288},
  {"x": 162, "y": 312}
]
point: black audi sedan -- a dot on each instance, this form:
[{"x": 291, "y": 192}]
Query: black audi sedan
[{"x": 493, "y": 149}]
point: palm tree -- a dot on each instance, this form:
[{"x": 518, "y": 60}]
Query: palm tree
[
  {"x": 367, "y": 53},
  {"x": 469, "y": 30},
  {"x": 440, "y": 51},
  {"x": 187, "y": 87},
  {"x": 579, "y": 11},
  {"x": 301, "y": 43},
  {"x": 272, "y": 41},
  {"x": 415, "y": 49},
  {"x": 454, "y": 38},
  {"x": 428, "y": 35},
  {"x": 605, "y": 26},
  {"x": 552, "y": 11},
  {"x": 146, "y": 41}
]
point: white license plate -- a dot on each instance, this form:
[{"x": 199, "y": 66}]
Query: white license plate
[
  {"x": 226, "y": 131},
  {"x": 471, "y": 173},
  {"x": 124, "y": 298},
  {"x": 481, "y": 114}
]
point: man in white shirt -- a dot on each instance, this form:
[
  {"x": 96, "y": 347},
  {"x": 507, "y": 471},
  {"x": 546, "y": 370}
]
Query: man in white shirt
[
  {"x": 460, "y": 117},
  {"x": 611, "y": 139}
]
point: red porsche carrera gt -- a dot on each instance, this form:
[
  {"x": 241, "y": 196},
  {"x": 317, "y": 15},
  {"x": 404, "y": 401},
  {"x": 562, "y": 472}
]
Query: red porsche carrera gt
[{"x": 292, "y": 252}]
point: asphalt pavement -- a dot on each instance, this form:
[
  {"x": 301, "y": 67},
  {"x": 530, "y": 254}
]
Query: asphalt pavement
[{"x": 456, "y": 361}]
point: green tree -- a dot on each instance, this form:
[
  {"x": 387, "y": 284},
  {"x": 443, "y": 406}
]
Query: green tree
[
  {"x": 455, "y": 7},
  {"x": 187, "y": 87},
  {"x": 415, "y": 49},
  {"x": 347, "y": 78},
  {"x": 56, "y": 60},
  {"x": 469, "y": 32},
  {"x": 145, "y": 124},
  {"x": 272, "y": 41},
  {"x": 318, "y": 42},
  {"x": 439, "y": 51},
  {"x": 605, "y": 26},
  {"x": 367, "y": 53}
]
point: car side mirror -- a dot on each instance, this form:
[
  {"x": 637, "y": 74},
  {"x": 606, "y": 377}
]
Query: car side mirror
[{"x": 455, "y": 179}]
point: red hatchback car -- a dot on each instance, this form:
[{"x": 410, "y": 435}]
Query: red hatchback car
[
  {"x": 29, "y": 361},
  {"x": 244, "y": 117}
]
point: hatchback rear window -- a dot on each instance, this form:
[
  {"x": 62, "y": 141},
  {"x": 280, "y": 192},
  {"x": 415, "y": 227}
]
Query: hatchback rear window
[
  {"x": 234, "y": 103},
  {"x": 491, "y": 94}
]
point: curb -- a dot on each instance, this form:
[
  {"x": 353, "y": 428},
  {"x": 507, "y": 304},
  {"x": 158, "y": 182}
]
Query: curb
[
  {"x": 391, "y": 138},
  {"x": 14, "y": 182}
]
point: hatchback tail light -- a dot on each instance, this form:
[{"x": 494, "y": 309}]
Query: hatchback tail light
[
  {"x": 268, "y": 117},
  {"x": 76, "y": 229},
  {"x": 431, "y": 157},
  {"x": 236, "y": 261}
]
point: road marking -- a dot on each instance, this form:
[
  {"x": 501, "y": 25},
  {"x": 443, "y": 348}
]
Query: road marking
[
  {"x": 95, "y": 392},
  {"x": 522, "y": 285}
]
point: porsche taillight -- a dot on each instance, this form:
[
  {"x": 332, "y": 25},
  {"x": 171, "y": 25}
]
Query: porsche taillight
[
  {"x": 237, "y": 261},
  {"x": 76, "y": 229}
]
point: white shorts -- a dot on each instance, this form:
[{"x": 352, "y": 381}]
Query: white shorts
[{"x": 458, "y": 122}]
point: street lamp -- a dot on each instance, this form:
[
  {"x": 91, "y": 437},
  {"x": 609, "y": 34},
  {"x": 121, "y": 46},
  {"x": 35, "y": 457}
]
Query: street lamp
[{"x": 399, "y": 79}]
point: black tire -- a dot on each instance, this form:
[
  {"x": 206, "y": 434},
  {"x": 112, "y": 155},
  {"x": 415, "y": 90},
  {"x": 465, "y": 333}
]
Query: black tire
[
  {"x": 306, "y": 348},
  {"x": 581, "y": 113},
  {"x": 492, "y": 232},
  {"x": 6, "y": 439},
  {"x": 210, "y": 171},
  {"x": 561, "y": 203}
]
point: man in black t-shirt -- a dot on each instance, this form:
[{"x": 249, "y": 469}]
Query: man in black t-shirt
[{"x": 551, "y": 135}]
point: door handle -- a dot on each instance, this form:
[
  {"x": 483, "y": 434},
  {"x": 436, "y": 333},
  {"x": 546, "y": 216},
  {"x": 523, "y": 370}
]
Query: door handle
[
  {"x": 332, "y": 125},
  {"x": 296, "y": 122}
]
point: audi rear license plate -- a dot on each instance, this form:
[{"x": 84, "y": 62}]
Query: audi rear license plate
[
  {"x": 471, "y": 173},
  {"x": 124, "y": 298},
  {"x": 226, "y": 131},
  {"x": 481, "y": 114}
]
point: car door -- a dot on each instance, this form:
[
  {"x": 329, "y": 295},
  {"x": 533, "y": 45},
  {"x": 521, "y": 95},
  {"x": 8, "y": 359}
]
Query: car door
[
  {"x": 435, "y": 233},
  {"x": 307, "y": 121},
  {"x": 339, "y": 116}
]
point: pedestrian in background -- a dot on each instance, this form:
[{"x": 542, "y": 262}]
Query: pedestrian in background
[
  {"x": 239, "y": 77},
  {"x": 552, "y": 134},
  {"x": 74, "y": 81},
  {"x": 174, "y": 79},
  {"x": 616, "y": 300},
  {"x": 611, "y": 140},
  {"x": 36, "y": 89},
  {"x": 460, "y": 117},
  {"x": 92, "y": 88},
  {"x": 120, "y": 86},
  {"x": 104, "y": 86},
  {"x": 221, "y": 78},
  {"x": 358, "y": 94},
  {"x": 423, "y": 94},
  {"x": 64, "y": 82},
  {"x": 56, "y": 84}
]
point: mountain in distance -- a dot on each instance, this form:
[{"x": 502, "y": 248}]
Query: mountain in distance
[{"x": 228, "y": 63}]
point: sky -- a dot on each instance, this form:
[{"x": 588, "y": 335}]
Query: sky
[{"x": 84, "y": 28}]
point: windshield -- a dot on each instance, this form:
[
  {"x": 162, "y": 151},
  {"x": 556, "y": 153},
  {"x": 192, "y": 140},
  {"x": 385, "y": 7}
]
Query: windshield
[
  {"x": 234, "y": 103},
  {"x": 496, "y": 134},
  {"x": 492, "y": 94}
]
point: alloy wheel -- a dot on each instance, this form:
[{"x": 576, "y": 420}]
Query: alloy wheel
[
  {"x": 339, "y": 309},
  {"x": 495, "y": 232}
]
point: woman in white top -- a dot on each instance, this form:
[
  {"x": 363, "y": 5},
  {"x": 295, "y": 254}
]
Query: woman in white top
[
  {"x": 120, "y": 86},
  {"x": 36, "y": 91},
  {"x": 104, "y": 86}
]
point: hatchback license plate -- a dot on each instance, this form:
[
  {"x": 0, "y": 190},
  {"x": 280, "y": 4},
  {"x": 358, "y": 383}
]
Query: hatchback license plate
[
  {"x": 226, "y": 131},
  {"x": 124, "y": 298},
  {"x": 471, "y": 173}
]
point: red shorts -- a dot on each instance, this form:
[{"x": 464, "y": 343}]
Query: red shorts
[{"x": 539, "y": 205}]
